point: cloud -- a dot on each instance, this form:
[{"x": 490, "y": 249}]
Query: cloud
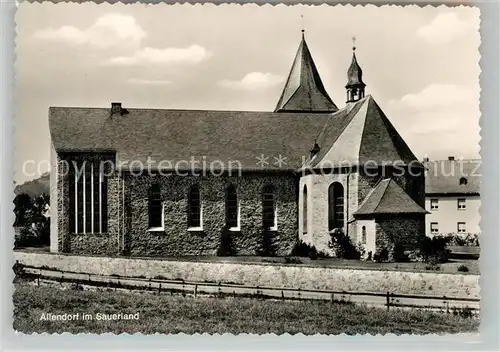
[
  {"x": 440, "y": 119},
  {"x": 446, "y": 27},
  {"x": 154, "y": 82},
  {"x": 253, "y": 81},
  {"x": 193, "y": 54},
  {"x": 107, "y": 31}
]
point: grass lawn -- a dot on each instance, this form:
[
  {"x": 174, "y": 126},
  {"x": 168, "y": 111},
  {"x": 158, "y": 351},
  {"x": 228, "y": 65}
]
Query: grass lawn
[{"x": 175, "y": 314}]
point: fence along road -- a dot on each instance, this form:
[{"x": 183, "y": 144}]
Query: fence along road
[{"x": 387, "y": 299}]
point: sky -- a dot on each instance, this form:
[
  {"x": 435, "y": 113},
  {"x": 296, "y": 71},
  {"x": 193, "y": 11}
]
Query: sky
[{"x": 421, "y": 65}]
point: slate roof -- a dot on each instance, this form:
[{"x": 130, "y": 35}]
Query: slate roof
[
  {"x": 176, "y": 135},
  {"x": 443, "y": 177},
  {"x": 355, "y": 134},
  {"x": 361, "y": 135},
  {"x": 354, "y": 74},
  {"x": 304, "y": 90},
  {"x": 388, "y": 198}
]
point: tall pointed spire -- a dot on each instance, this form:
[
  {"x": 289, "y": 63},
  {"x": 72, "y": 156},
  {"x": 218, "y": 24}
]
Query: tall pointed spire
[
  {"x": 355, "y": 85},
  {"x": 304, "y": 90}
]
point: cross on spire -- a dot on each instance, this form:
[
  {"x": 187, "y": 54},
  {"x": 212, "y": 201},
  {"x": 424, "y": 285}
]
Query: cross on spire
[
  {"x": 302, "y": 23},
  {"x": 353, "y": 43}
]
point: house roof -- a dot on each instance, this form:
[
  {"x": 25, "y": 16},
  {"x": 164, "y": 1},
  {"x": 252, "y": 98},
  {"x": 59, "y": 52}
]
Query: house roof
[
  {"x": 354, "y": 73},
  {"x": 388, "y": 198},
  {"x": 362, "y": 135},
  {"x": 357, "y": 133},
  {"x": 443, "y": 177},
  {"x": 304, "y": 90}
]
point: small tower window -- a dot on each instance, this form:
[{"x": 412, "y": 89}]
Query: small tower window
[
  {"x": 304, "y": 210},
  {"x": 463, "y": 181},
  {"x": 363, "y": 234}
]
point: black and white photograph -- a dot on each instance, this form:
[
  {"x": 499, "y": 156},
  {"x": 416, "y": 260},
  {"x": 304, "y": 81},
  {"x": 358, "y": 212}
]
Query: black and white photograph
[{"x": 247, "y": 169}]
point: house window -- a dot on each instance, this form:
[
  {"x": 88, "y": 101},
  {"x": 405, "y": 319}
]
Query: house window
[
  {"x": 232, "y": 209},
  {"x": 463, "y": 181},
  {"x": 269, "y": 220},
  {"x": 461, "y": 204},
  {"x": 304, "y": 210},
  {"x": 461, "y": 227},
  {"x": 155, "y": 208},
  {"x": 195, "y": 209},
  {"x": 88, "y": 197},
  {"x": 363, "y": 234},
  {"x": 434, "y": 204},
  {"x": 434, "y": 227},
  {"x": 335, "y": 206}
]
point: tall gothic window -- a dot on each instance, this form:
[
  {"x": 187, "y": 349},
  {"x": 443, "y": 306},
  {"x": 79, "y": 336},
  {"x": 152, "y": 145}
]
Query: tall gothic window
[
  {"x": 304, "y": 210},
  {"x": 88, "y": 197},
  {"x": 194, "y": 207},
  {"x": 232, "y": 216},
  {"x": 155, "y": 207},
  {"x": 269, "y": 220},
  {"x": 335, "y": 206}
]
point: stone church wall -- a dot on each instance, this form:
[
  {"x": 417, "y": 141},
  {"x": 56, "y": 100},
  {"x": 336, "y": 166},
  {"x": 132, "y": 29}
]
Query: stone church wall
[
  {"x": 402, "y": 230},
  {"x": 177, "y": 240},
  {"x": 128, "y": 221}
]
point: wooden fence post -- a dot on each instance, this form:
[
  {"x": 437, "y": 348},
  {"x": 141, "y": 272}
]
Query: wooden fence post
[
  {"x": 195, "y": 290},
  {"x": 388, "y": 300}
]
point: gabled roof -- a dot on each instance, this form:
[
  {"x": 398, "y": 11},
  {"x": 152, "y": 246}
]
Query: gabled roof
[
  {"x": 443, "y": 177},
  {"x": 178, "y": 135},
  {"x": 354, "y": 73},
  {"x": 362, "y": 134},
  {"x": 388, "y": 198},
  {"x": 304, "y": 90}
]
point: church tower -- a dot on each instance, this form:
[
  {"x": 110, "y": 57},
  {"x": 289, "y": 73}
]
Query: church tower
[
  {"x": 304, "y": 91},
  {"x": 355, "y": 86}
]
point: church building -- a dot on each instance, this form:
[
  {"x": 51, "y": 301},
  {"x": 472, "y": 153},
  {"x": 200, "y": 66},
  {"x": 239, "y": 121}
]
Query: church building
[{"x": 161, "y": 182}]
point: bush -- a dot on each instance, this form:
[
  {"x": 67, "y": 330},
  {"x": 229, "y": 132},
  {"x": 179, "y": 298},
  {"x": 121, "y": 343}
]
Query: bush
[
  {"x": 399, "y": 254},
  {"x": 463, "y": 268},
  {"x": 381, "y": 255},
  {"x": 226, "y": 245},
  {"x": 433, "y": 250},
  {"x": 267, "y": 246},
  {"x": 342, "y": 245},
  {"x": 302, "y": 249},
  {"x": 469, "y": 240}
]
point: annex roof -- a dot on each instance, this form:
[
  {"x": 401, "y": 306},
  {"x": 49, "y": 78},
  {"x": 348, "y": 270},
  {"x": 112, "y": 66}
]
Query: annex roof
[{"x": 388, "y": 198}]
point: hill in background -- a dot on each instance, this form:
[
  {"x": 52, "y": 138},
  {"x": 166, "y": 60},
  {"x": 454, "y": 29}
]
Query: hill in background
[{"x": 36, "y": 187}]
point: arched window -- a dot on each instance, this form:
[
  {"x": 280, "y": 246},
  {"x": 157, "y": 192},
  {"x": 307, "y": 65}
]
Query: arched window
[
  {"x": 194, "y": 207},
  {"x": 268, "y": 208},
  {"x": 232, "y": 216},
  {"x": 304, "y": 210},
  {"x": 363, "y": 234},
  {"x": 155, "y": 207},
  {"x": 335, "y": 206}
]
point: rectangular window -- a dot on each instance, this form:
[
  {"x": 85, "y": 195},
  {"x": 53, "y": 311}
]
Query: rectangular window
[
  {"x": 461, "y": 204},
  {"x": 155, "y": 208},
  {"x": 232, "y": 209},
  {"x": 87, "y": 197},
  {"x": 434, "y": 204},
  {"x": 461, "y": 227},
  {"x": 434, "y": 228},
  {"x": 194, "y": 209},
  {"x": 269, "y": 209}
]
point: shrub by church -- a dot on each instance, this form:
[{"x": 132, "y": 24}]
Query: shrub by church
[{"x": 151, "y": 182}]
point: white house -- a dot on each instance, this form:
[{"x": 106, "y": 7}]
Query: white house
[{"x": 452, "y": 196}]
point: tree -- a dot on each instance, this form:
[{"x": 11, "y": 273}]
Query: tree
[
  {"x": 23, "y": 205},
  {"x": 32, "y": 216}
]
